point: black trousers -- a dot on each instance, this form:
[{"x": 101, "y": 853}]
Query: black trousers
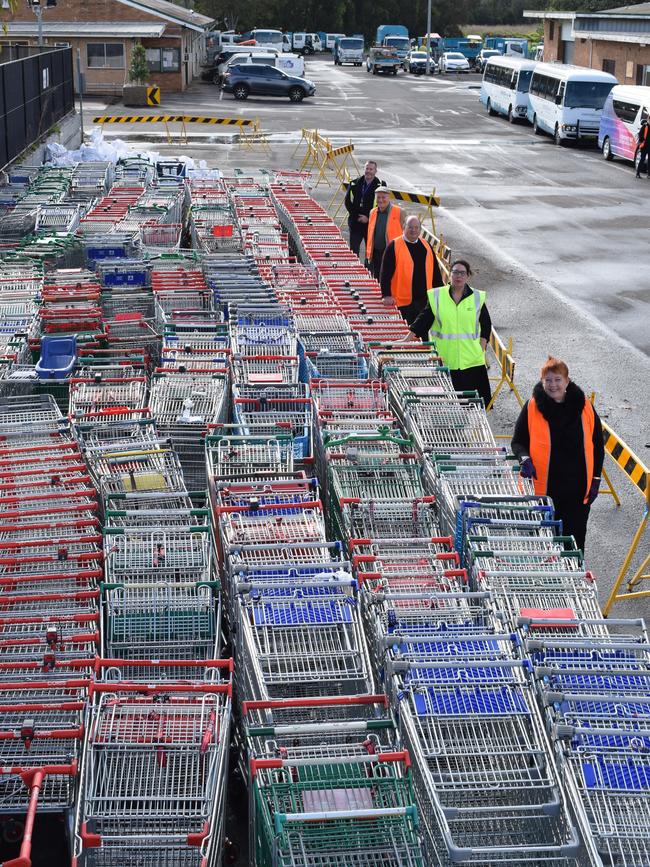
[
  {"x": 473, "y": 379},
  {"x": 374, "y": 265},
  {"x": 358, "y": 233},
  {"x": 410, "y": 312},
  {"x": 574, "y": 515},
  {"x": 644, "y": 163}
]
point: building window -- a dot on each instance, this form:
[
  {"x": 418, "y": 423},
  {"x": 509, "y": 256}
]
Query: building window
[
  {"x": 154, "y": 59},
  {"x": 609, "y": 66},
  {"x": 551, "y": 31},
  {"x": 105, "y": 55},
  {"x": 171, "y": 59}
]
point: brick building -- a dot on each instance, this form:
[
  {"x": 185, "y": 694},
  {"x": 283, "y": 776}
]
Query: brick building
[
  {"x": 616, "y": 41},
  {"x": 105, "y": 32}
]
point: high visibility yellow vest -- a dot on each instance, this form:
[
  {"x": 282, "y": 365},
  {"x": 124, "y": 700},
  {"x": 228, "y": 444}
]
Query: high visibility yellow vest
[{"x": 456, "y": 329}]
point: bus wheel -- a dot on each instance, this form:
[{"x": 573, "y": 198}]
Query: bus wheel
[
  {"x": 489, "y": 108},
  {"x": 607, "y": 149},
  {"x": 536, "y": 127}
]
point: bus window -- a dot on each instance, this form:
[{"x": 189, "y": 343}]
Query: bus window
[
  {"x": 627, "y": 111},
  {"x": 523, "y": 83},
  {"x": 559, "y": 96},
  {"x": 587, "y": 94}
]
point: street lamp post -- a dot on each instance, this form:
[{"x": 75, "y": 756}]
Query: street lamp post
[
  {"x": 37, "y": 9},
  {"x": 428, "y": 66}
]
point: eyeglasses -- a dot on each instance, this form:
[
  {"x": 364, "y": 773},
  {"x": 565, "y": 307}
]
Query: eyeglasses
[{"x": 460, "y": 273}]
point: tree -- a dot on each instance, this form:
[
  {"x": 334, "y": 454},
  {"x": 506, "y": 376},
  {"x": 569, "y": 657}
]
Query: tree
[{"x": 138, "y": 70}]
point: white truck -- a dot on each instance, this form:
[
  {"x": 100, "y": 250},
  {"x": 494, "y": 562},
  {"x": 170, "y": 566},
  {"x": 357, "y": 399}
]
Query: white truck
[{"x": 348, "y": 49}]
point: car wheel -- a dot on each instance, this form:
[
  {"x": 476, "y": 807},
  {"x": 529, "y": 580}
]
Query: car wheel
[
  {"x": 296, "y": 94},
  {"x": 557, "y": 138},
  {"x": 240, "y": 91},
  {"x": 394, "y": 70},
  {"x": 607, "y": 149},
  {"x": 536, "y": 128},
  {"x": 215, "y": 78},
  {"x": 489, "y": 108}
]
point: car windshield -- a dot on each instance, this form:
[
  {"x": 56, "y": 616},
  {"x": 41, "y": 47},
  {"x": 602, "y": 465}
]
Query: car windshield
[
  {"x": 418, "y": 55},
  {"x": 586, "y": 94},
  {"x": 523, "y": 85}
]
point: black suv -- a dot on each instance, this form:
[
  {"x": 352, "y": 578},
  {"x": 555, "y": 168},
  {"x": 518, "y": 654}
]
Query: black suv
[{"x": 261, "y": 80}]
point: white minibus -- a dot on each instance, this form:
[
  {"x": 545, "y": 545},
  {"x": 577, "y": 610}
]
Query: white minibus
[
  {"x": 504, "y": 89},
  {"x": 567, "y": 101},
  {"x": 268, "y": 39},
  {"x": 625, "y": 108}
]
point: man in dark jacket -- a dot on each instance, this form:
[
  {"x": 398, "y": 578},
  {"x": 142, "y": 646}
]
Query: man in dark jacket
[{"x": 359, "y": 201}]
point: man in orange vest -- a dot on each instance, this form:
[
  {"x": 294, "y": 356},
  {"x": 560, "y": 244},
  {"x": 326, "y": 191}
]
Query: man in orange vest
[
  {"x": 384, "y": 225},
  {"x": 408, "y": 270}
]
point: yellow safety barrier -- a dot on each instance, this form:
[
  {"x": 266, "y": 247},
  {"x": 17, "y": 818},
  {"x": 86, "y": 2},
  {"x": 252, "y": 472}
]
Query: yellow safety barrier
[
  {"x": 321, "y": 156},
  {"x": 639, "y": 475},
  {"x": 253, "y": 134},
  {"x": 506, "y": 362}
]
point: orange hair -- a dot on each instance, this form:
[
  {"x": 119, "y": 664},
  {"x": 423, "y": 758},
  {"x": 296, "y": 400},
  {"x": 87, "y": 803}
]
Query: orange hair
[{"x": 554, "y": 365}]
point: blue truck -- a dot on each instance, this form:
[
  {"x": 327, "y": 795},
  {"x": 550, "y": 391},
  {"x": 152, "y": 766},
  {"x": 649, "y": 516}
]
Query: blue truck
[
  {"x": 511, "y": 45},
  {"x": 394, "y": 36},
  {"x": 466, "y": 46}
]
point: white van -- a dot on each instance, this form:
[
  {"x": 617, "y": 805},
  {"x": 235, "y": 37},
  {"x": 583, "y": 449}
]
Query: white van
[
  {"x": 307, "y": 42},
  {"x": 504, "y": 89},
  {"x": 626, "y": 106},
  {"x": 567, "y": 101},
  {"x": 244, "y": 52},
  {"x": 292, "y": 64}
]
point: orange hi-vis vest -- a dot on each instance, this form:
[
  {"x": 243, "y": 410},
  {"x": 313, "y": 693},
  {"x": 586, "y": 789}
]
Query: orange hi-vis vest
[
  {"x": 401, "y": 286},
  {"x": 540, "y": 445},
  {"x": 393, "y": 228}
]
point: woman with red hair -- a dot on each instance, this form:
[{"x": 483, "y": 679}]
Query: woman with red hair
[{"x": 558, "y": 441}]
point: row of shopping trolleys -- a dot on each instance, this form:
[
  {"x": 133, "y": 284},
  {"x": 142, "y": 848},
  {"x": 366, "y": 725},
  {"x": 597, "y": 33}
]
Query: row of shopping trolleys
[{"x": 504, "y": 677}]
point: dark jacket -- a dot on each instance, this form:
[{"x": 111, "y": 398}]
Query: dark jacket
[
  {"x": 567, "y": 472},
  {"x": 355, "y": 203},
  {"x": 643, "y": 137}
]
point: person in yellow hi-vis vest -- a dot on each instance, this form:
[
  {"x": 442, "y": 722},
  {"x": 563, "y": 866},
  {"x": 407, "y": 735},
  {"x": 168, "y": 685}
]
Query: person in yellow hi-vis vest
[
  {"x": 385, "y": 223},
  {"x": 458, "y": 321}
]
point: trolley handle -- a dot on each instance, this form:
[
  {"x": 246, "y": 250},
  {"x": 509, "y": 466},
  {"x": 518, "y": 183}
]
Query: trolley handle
[
  {"x": 159, "y": 689},
  {"x": 318, "y": 701},
  {"x": 280, "y": 819},
  {"x": 401, "y": 756}
]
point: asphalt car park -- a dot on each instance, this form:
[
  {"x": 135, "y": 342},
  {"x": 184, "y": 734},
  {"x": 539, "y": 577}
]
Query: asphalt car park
[{"x": 557, "y": 236}]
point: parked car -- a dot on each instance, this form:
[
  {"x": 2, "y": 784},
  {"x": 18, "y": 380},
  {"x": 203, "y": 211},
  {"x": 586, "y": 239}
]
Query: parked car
[
  {"x": 416, "y": 63},
  {"x": 256, "y": 79},
  {"x": 454, "y": 61},
  {"x": 484, "y": 55}
]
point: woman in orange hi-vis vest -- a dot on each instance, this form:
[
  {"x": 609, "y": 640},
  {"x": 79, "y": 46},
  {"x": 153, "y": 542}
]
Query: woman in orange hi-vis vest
[{"x": 558, "y": 440}]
